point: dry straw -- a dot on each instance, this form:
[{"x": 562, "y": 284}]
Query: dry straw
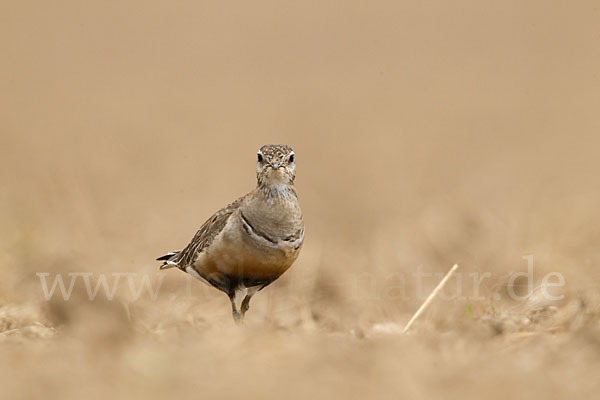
[{"x": 427, "y": 302}]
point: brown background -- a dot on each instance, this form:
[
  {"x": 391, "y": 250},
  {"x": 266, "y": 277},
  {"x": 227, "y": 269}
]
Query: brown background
[{"x": 426, "y": 133}]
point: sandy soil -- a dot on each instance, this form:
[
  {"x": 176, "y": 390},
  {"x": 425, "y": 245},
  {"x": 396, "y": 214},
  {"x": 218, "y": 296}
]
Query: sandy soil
[{"x": 426, "y": 134}]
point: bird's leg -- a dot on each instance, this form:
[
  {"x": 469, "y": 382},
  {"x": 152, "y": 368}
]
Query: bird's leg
[
  {"x": 236, "y": 296},
  {"x": 245, "y": 305},
  {"x": 246, "y": 302},
  {"x": 237, "y": 317}
]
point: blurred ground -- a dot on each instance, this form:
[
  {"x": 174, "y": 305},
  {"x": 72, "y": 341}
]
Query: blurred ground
[{"x": 426, "y": 134}]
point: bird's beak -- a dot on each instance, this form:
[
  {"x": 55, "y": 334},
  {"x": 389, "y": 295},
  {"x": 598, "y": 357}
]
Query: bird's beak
[{"x": 276, "y": 165}]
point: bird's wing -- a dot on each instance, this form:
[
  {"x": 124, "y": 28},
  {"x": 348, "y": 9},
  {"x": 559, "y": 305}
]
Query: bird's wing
[{"x": 202, "y": 239}]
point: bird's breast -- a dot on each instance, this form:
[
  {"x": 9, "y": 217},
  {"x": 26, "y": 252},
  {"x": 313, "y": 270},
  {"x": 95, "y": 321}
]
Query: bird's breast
[{"x": 244, "y": 250}]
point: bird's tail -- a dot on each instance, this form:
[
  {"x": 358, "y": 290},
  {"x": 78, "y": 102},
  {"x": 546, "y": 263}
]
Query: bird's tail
[{"x": 168, "y": 260}]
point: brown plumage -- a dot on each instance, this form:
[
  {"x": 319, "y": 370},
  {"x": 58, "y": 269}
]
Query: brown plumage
[{"x": 248, "y": 244}]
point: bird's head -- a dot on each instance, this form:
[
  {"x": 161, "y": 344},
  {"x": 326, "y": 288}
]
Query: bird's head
[{"x": 275, "y": 165}]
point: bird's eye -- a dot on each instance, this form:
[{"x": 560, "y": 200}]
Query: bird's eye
[
  {"x": 260, "y": 158},
  {"x": 291, "y": 159}
]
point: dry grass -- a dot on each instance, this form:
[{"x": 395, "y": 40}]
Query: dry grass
[{"x": 426, "y": 135}]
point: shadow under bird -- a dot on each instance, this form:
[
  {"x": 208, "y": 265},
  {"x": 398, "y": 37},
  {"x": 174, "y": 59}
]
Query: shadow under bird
[{"x": 251, "y": 242}]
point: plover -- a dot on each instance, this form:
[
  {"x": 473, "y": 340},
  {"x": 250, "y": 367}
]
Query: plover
[{"x": 248, "y": 244}]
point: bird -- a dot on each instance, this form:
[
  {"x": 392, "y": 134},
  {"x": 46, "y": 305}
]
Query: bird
[{"x": 248, "y": 244}]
